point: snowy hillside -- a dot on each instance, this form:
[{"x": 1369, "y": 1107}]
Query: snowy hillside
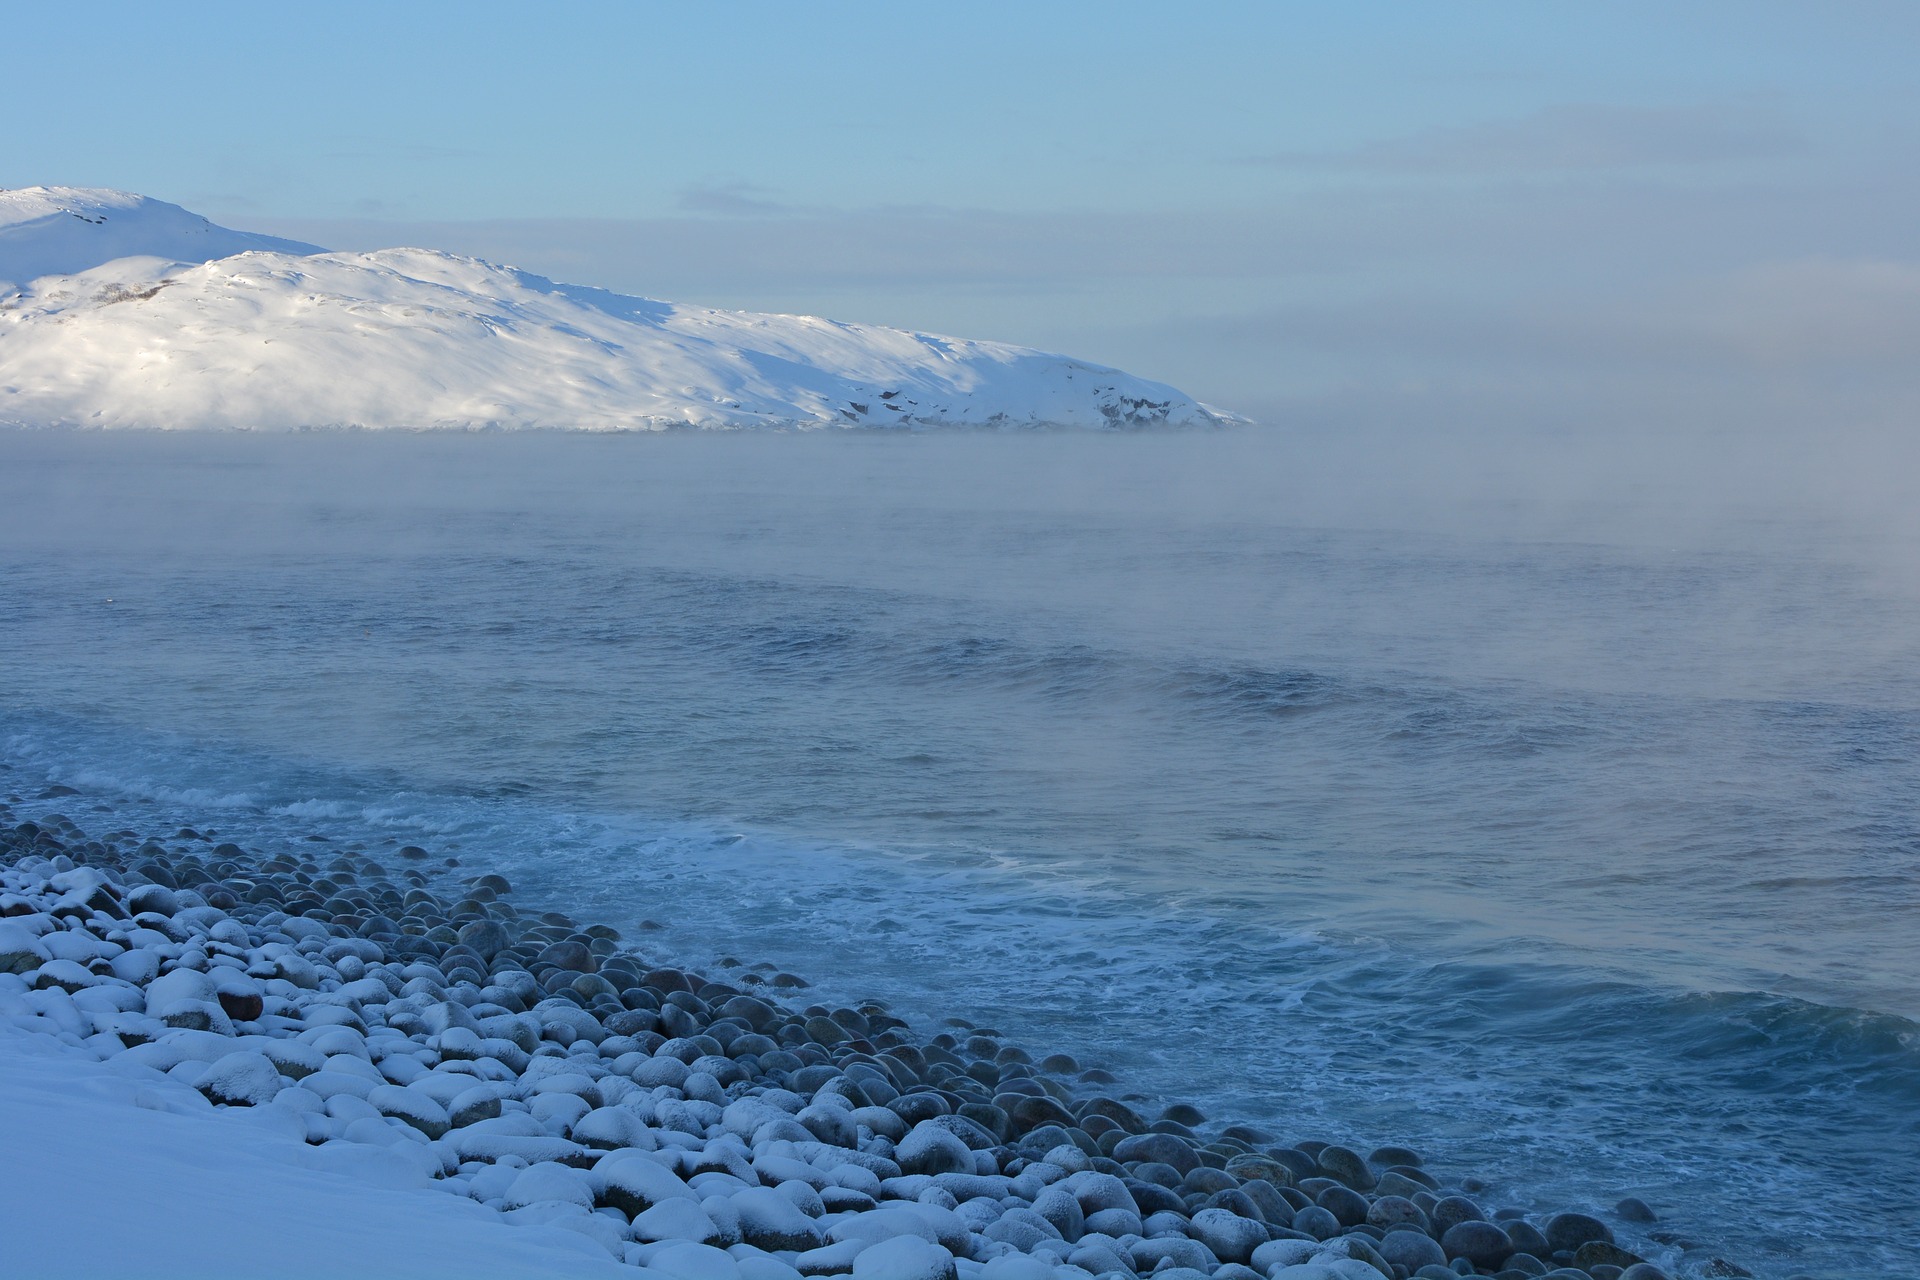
[
  {"x": 55, "y": 230},
  {"x": 154, "y": 317}
]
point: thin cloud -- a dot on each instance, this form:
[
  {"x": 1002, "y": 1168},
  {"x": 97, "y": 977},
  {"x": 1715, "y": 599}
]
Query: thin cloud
[{"x": 733, "y": 200}]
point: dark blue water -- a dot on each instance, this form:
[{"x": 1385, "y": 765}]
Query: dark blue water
[{"x": 1565, "y": 831}]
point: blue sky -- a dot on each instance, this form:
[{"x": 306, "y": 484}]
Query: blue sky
[{"x": 1296, "y": 207}]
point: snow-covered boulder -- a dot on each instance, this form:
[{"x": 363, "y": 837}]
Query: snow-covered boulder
[
  {"x": 633, "y": 1182},
  {"x": 244, "y": 1078},
  {"x": 904, "y": 1258},
  {"x": 20, "y": 950}
]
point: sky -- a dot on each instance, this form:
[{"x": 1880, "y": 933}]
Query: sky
[{"x": 1614, "y": 218}]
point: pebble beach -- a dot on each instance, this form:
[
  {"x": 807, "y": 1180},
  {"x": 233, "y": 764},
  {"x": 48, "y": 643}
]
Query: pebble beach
[{"x": 698, "y": 1126}]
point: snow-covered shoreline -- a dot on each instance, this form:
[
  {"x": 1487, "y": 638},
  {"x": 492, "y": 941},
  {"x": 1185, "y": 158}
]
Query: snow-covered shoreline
[
  {"x": 118, "y": 311},
  {"x": 367, "y": 1038}
]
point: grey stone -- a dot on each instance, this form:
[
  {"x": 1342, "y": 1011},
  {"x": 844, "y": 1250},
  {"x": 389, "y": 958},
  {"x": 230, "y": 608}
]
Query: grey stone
[
  {"x": 1184, "y": 1253},
  {"x": 1412, "y": 1250},
  {"x": 1115, "y": 1222},
  {"x": 488, "y": 938},
  {"x": 1150, "y": 1198},
  {"x": 1603, "y": 1253},
  {"x": 574, "y": 957},
  {"x": 1527, "y": 1238},
  {"x": 1318, "y": 1223},
  {"x": 1388, "y": 1212},
  {"x": 1057, "y": 1205},
  {"x": 1159, "y": 1174},
  {"x": 156, "y": 898},
  {"x": 1098, "y": 1191},
  {"x": 1266, "y": 1197},
  {"x": 1207, "y": 1180},
  {"x": 1021, "y": 1228},
  {"x": 1634, "y": 1209},
  {"x": 633, "y": 1184},
  {"x": 1387, "y": 1157},
  {"x": 1566, "y": 1232},
  {"x": 771, "y": 1221},
  {"x": 1344, "y": 1203},
  {"x": 1348, "y": 1166},
  {"x": 1447, "y": 1213},
  {"x": 1159, "y": 1148},
  {"x": 931, "y": 1148},
  {"x": 1481, "y": 1243},
  {"x": 904, "y": 1258},
  {"x": 1098, "y": 1259},
  {"x": 241, "y": 1079},
  {"x": 1397, "y": 1184},
  {"x": 1248, "y": 1167},
  {"x": 1230, "y": 1237},
  {"x": 413, "y": 1107}
]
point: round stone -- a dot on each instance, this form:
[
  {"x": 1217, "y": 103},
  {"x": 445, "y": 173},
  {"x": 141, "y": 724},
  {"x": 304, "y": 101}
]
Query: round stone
[
  {"x": 1527, "y": 1238},
  {"x": 1266, "y": 1197},
  {"x": 571, "y": 956},
  {"x": 241, "y": 1079},
  {"x": 1160, "y": 1175},
  {"x": 1238, "y": 1202},
  {"x": 931, "y": 1149},
  {"x": 1454, "y": 1209},
  {"x": 1118, "y": 1112},
  {"x": 822, "y": 1030},
  {"x": 241, "y": 1006},
  {"x": 904, "y": 1257},
  {"x": 1348, "y": 1166},
  {"x": 1318, "y": 1223},
  {"x": 1344, "y": 1203},
  {"x": 1030, "y": 1113},
  {"x": 1387, "y": 1157},
  {"x": 1481, "y": 1243},
  {"x": 1161, "y": 1148},
  {"x": 1412, "y": 1250},
  {"x": 1299, "y": 1163},
  {"x": 1566, "y": 1232},
  {"x": 1230, "y": 1237},
  {"x": 152, "y": 897},
  {"x": 1601, "y": 1253},
  {"x": 1151, "y": 1198},
  {"x": 1268, "y": 1170},
  {"x": 487, "y": 938},
  {"x": 1181, "y": 1113},
  {"x": 1389, "y": 1212}
]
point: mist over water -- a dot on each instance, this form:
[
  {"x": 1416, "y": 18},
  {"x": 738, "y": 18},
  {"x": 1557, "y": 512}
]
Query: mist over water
[{"x": 1547, "y": 805}]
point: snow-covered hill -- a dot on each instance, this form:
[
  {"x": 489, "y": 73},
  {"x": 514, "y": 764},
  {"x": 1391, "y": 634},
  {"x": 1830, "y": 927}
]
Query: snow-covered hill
[
  {"x": 48, "y": 231},
  {"x": 120, "y": 311}
]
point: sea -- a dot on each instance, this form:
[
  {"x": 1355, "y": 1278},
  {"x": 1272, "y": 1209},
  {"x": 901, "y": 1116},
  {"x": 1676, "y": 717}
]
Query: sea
[{"x": 1549, "y": 806}]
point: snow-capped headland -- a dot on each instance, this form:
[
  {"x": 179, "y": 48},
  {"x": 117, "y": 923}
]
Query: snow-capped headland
[{"x": 117, "y": 310}]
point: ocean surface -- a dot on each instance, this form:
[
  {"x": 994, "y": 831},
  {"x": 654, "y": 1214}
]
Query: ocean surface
[{"x": 1554, "y": 812}]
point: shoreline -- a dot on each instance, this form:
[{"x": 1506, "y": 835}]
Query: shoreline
[{"x": 686, "y": 1125}]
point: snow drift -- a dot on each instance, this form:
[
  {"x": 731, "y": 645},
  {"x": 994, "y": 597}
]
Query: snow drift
[{"x": 121, "y": 311}]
